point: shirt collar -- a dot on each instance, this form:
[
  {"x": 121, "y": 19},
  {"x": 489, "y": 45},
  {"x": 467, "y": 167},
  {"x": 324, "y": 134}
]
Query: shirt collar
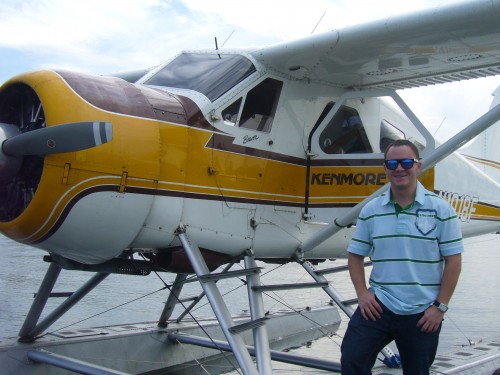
[{"x": 419, "y": 195}]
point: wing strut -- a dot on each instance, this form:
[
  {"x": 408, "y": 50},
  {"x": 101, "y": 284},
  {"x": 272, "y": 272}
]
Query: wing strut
[{"x": 429, "y": 160}]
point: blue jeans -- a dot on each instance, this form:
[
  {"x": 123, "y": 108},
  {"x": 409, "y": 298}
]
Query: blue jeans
[{"x": 364, "y": 339}]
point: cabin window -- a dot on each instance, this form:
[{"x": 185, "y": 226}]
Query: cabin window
[
  {"x": 389, "y": 133},
  {"x": 230, "y": 114},
  {"x": 260, "y": 105},
  {"x": 211, "y": 74},
  {"x": 345, "y": 134}
]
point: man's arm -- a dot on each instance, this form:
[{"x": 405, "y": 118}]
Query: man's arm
[
  {"x": 452, "y": 269},
  {"x": 370, "y": 308},
  {"x": 432, "y": 316}
]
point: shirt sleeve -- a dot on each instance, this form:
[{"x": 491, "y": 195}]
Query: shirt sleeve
[
  {"x": 450, "y": 236},
  {"x": 361, "y": 242}
]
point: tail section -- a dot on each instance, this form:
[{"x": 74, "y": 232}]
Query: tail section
[{"x": 484, "y": 151}]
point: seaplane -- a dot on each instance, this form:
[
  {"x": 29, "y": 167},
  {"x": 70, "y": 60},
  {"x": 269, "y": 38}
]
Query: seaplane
[{"x": 220, "y": 156}]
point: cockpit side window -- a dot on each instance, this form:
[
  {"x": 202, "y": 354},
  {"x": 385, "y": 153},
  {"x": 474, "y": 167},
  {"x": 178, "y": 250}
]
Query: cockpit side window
[
  {"x": 230, "y": 114},
  {"x": 211, "y": 74},
  {"x": 388, "y": 134},
  {"x": 260, "y": 105},
  {"x": 345, "y": 134}
]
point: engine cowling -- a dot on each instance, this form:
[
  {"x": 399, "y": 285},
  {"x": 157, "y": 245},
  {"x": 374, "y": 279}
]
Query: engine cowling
[{"x": 74, "y": 203}]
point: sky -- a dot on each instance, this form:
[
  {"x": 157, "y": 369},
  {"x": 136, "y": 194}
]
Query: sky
[{"x": 105, "y": 36}]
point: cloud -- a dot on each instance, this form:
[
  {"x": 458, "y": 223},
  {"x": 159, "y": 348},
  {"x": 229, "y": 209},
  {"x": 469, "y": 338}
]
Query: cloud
[
  {"x": 53, "y": 23},
  {"x": 92, "y": 33}
]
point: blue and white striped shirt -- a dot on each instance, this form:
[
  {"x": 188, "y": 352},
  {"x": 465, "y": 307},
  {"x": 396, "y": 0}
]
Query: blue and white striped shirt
[{"x": 407, "y": 248}]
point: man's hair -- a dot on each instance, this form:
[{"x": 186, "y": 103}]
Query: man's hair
[{"x": 402, "y": 142}]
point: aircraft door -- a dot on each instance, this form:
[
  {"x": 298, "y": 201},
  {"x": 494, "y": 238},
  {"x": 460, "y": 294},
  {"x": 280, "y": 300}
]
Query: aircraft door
[{"x": 342, "y": 168}]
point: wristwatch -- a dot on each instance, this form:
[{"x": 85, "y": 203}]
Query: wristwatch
[{"x": 441, "y": 306}]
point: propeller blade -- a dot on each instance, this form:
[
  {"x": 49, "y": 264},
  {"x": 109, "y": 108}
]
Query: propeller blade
[{"x": 59, "y": 139}]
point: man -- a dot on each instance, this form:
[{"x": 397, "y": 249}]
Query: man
[{"x": 414, "y": 241}]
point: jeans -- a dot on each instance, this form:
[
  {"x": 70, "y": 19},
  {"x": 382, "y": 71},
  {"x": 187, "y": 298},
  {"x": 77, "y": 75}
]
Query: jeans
[{"x": 364, "y": 339}]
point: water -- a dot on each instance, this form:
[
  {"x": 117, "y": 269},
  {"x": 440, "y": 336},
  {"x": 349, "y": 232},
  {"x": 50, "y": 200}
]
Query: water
[{"x": 473, "y": 314}]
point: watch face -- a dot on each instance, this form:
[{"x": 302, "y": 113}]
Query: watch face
[{"x": 441, "y": 306}]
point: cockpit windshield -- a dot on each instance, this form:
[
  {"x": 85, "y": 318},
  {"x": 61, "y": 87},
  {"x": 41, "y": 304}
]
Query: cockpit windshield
[{"x": 210, "y": 74}]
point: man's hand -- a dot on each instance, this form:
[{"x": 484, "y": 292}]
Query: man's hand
[
  {"x": 368, "y": 305},
  {"x": 431, "y": 320},
  {"x": 370, "y": 308}
]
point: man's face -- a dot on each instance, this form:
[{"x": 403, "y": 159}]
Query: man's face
[{"x": 400, "y": 177}]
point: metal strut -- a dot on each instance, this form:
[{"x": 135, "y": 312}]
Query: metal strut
[
  {"x": 67, "y": 363},
  {"x": 174, "y": 297},
  {"x": 257, "y": 313},
  {"x": 31, "y": 328},
  {"x": 229, "y": 328},
  {"x": 300, "y": 360}
]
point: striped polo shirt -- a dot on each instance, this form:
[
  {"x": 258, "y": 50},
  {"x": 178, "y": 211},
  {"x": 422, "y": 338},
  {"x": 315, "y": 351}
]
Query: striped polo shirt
[{"x": 407, "y": 247}]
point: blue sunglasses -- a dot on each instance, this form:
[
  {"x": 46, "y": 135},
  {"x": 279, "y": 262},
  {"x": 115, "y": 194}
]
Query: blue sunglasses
[{"x": 392, "y": 164}]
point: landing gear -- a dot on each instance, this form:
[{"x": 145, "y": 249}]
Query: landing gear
[{"x": 31, "y": 327}]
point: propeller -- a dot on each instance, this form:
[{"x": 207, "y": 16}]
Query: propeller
[
  {"x": 58, "y": 139},
  {"x": 68, "y": 137},
  {"x": 9, "y": 165}
]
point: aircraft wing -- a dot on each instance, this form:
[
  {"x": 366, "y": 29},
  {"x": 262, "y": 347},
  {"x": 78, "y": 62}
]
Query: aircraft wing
[{"x": 449, "y": 43}]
